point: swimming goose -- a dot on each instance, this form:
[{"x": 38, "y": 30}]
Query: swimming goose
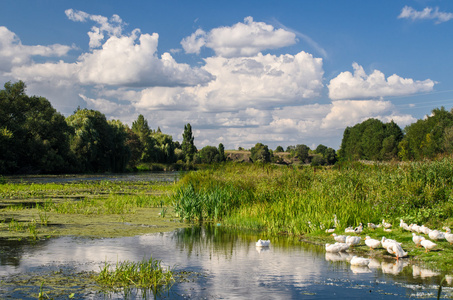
[
  {"x": 359, "y": 261},
  {"x": 263, "y": 243}
]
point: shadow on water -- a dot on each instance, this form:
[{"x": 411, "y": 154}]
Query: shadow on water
[{"x": 219, "y": 263}]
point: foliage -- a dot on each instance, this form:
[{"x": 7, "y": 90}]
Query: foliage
[
  {"x": 279, "y": 149},
  {"x": 260, "y": 153},
  {"x": 428, "y": 137},
  {"x": 33, "y": 135},
  {"x": 209, "y": 155},
  {"x": 371, "y": 140},
  {"x": 188, "y": 146}
]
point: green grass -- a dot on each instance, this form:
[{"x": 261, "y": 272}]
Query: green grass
[{"x": 146, "y": 275}]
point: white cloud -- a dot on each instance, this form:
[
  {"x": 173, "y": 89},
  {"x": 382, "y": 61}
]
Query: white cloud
[
  {"x": 360, "y": 85},
  {"x": 345, "y": 113},
  {"x": 14, "y": 53},
  {"x": 113, "y": 26},
  {"x": 426, "y": 14},
  {"x": 107, "y": 107},
  {"x": 242, "y": 39}
]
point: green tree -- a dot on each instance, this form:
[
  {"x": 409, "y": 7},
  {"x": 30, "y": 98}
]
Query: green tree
[
  {"x": 279, "y": 149},
  {"x": 188, "y": 146},
  {"x": 302, "y": 153},
  {"x": 222, "y": 152},
  {"x": 34, "y": 137},
  {"x": 92, "y": 143},
  {"x": 260, "y": 153},
  {"x": 121, "y": 153},
  {"x": 209, "y": 154}
]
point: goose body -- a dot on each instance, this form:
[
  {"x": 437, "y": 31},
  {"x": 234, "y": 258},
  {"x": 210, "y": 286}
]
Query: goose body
[
  {"x": 427, "y": 244},
  {"x": 416, "y": 239},
  {"x": 386, "y": 242},
  {"x": 436, "y": 235},
  {"x": 336, "y": 248},
  {"x": 263, "y": 243},
  {"x": 349, "y": 229},
  {"x": 385, "y": 224},
  {"x": 448, "y": 235},
  {"x": 372, "y": 243},
  {"x": 339, "y": 238},
  {"x": 359, "y": 261},
  {"x": 359, "y": 229},
  {"x": 352, "y": 240},
  {"x": 397, "y": 250}
]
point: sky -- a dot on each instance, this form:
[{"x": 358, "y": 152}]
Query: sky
[{"x": 279, "y": 73}]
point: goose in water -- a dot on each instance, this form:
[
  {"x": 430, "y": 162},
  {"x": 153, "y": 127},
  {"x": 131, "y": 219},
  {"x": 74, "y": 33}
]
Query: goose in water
[
  {"x": 359, "y": 261},
  {"x": 263, "y": 243}
]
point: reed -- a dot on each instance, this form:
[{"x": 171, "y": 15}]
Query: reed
[
  {"x": 304, "y": 200},
  {"x": 146, "y": 275}
]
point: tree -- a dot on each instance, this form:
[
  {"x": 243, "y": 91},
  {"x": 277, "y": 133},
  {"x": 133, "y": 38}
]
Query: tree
[
  {"x": 34, "y": 137},
  {"x": 260, "y": 153},
  {"x": 188, "y": 146},
  {"x": 301, "y": 152},
  {"x": 222, "y": 152},
  {"x": 321, "y": 149},
  {"x": 209, "y": 154},
  {"x": 92, "y": 142},
  {"x": 121, "y": 153},
  {"x": 279, "y": 149}
]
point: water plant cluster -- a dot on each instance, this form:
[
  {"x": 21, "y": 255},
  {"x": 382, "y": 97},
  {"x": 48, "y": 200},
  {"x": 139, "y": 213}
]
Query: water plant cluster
[
  {"x": 33, "y": 210},
  {"x": 146, "y": 275}
]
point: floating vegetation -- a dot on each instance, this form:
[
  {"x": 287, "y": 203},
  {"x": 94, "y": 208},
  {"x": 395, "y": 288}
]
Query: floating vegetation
[{"x": 146, "y": 275}]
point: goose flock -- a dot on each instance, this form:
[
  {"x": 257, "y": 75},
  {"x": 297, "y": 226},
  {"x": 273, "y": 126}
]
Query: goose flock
[{"x": 422, "y": 236}]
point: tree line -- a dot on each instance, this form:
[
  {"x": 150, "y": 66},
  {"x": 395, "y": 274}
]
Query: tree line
[
  {"x": 374, "y": 140},
  {"x": 35, "y": 138}
]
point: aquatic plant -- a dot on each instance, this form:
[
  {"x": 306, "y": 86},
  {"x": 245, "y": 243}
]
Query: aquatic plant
[{"x": 146, "y": 275}]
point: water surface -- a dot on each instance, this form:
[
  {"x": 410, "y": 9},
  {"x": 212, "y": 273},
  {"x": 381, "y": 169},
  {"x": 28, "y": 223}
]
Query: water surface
[{"x": 229, "y": 266}]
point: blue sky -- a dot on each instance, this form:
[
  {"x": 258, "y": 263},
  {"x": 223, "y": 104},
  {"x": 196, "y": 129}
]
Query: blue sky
[{"x": 240, "y": 72}]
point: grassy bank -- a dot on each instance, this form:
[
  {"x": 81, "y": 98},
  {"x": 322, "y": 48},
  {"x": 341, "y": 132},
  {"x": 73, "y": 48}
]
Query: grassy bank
[{"x": 305, "y": 201}]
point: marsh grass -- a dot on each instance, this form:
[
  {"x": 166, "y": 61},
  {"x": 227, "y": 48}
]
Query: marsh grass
[
  {"x": 304, "y": 200},
  {"x": 146, "y": 275}
]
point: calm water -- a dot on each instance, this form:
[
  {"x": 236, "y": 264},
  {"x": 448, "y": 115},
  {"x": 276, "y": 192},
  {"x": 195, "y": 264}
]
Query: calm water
[
  {"x": 228, "y": 264},
  {"x": 230, "y": 267}
]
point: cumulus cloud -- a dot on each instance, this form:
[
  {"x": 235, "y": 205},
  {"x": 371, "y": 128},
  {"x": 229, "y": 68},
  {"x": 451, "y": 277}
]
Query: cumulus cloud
[
  {"x": 14, "y": 53},
  {"x": 426, "y": 14},
  {"x": 345, "y": 113},
  {"x": 361, "y": 86},
  {"x": 242, "y": 39},
  {"x": 262, "y": 81},
  {"x": 132, "y": 61},
  {"x": 112, "y": 27}
]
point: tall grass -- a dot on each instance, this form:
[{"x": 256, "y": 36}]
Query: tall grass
[
  {"x": 144, "y": 275},
  {"x": 303, "y": 200}
]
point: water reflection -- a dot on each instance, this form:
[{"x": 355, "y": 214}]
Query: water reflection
[{"x": 231, "y": 266}]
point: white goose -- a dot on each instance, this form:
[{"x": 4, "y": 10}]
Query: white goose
[
  {"x": 372, "y": 243},
  {"x": 427, "y": 244},
  {"x": 436, "y": 235},
  {"x": 416, "y": 239},
  {"x": 448, "y": 235},
  {"x": 359, "y": 261},
  {"x": 352, "y": 240},
  {"x": 397, "y": 250},
  {"x": 339, "y": 238},
  {"x": 263, "y": 243}
]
